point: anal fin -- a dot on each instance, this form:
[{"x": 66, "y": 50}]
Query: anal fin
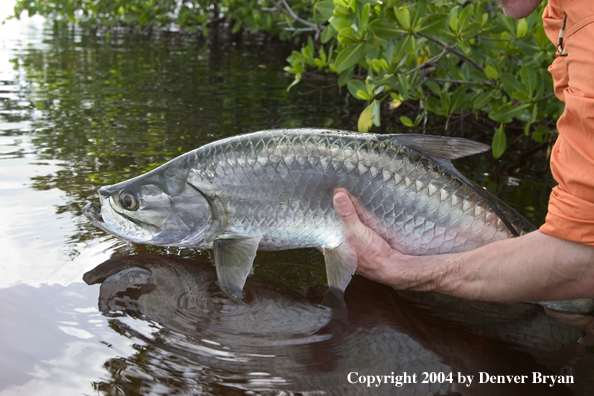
[
  {"x": 341, "y": 263},
  {"x": 234, "y": 257}
]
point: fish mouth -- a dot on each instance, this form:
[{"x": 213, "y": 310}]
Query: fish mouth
[
  {"x": 93, "y": 213},
  {"x": 132, "y": 232}
]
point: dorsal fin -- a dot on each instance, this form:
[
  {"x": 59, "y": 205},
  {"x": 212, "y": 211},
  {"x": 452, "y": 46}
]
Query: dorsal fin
[{"x": 445, "y": 147}]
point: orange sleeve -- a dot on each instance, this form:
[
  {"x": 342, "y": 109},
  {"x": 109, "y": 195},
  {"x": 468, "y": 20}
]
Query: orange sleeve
[{"x": 571, "y": 205}]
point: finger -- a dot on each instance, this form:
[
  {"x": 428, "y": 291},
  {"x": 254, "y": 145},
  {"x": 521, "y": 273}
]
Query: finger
[{"x": 576, "y": 320}]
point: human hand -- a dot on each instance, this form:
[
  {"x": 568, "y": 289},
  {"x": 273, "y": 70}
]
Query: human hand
[
  {"x": 376, "y": 259},
  {"x": 584, "y": 322}
]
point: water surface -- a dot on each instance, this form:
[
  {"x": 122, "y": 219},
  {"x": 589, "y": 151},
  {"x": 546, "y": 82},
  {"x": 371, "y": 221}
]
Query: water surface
[{"x": 79, "y": 111}]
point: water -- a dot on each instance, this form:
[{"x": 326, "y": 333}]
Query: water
[{"x": 78, "y": 112}]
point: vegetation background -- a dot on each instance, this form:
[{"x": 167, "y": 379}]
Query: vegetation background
[{"x": 455, "y": 59}]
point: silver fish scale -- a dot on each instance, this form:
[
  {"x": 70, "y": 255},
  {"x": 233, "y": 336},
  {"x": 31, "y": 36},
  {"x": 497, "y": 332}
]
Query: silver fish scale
[{"x": 280, "y": 185}]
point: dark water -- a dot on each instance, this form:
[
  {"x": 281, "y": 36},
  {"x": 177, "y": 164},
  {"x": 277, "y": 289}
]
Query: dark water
[{"x": 77, "y": 112}]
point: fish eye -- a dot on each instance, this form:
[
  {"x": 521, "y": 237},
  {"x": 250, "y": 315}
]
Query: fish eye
[{"x": 128, "y": 200}]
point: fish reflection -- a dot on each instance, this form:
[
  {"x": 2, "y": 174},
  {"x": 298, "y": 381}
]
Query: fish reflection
[{"x": 192, "y": 338}]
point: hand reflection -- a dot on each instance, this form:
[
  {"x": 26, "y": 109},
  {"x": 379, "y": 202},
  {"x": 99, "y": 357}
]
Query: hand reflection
[{"x": 583, "y": 322}]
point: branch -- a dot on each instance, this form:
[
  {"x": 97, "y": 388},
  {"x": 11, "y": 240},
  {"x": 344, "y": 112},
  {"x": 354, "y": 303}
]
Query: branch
[
  {"x": 454, "y": 51},
  {"x": 547, "y": 96},
  {"x": 492, "y": 39},
  {"x": 289, "y": 11},
  {"x": 432, "y": 60},
  {"x": 316, "y": 89},
  {"x": 462, "y": 81}
]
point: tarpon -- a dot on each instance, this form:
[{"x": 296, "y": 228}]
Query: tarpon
[{"x": 272, "y": 190}]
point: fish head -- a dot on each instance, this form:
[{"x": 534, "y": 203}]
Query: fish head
[{"x": 145, "y": 210}]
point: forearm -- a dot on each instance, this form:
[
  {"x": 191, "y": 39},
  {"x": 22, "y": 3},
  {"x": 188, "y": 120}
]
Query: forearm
[{"x": 532, "y": 267}]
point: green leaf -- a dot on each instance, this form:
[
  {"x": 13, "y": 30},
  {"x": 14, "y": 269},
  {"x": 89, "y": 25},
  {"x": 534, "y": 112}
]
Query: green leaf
[
  {"x": 345, "y": 76},
  {"x": 326, "y": 9},
  {"x": 511, "y": 83},
  {"x": 458, "y": 99},
  {"x": 348, "y": 57},
  {"x": 445, "y": 99},
  {"x": 396, "y": 100},
  {"x": 471, "y": 30},
  {"x": 399, "y": 55},
  {"x": 528, "y": 77},
  {"x": 356, "y": 85},
  {"x": 491, "y": 73},
  {"x": 541, "y": 39},
  {"x": 432, "y": 104},
  {"x": 499, "y": 142},
  {"x": 339, "y": 23},
  {"x": 363, "y": 95},
  {"x": 364, "y": 19},
  {"x": 522, "y": 28},
  {"x": 295, "y": 81},
  {"x": 341, "y": 11},
  {"x": 454, "y": 18},
  {"x": 387, "y": 79},
  {"x": 419, "y": 12},
  {"x": 433, "y": 86},
  {"x": 506, "y": 23},
  {"x": 419, "y": 118},
  {"x": 527, "y": 129},
  {"x": 403, "y": 86},
  {"x": 412, "y": 46},
  {"x": 505, "y": 113},
  {"x": 522, "y": 96},
  {"x": 533, "y": 113},
  {"x": 322, "y": 54},
  {"x": 376, "y": 65},
  {"x": 376, "y": 112},
  {"x": 482, "y": 100},
  {"x": 385, "y": 30},
  {"x": 347, "y": 36},
  {"x": 403, "y": 17},
  {"x": 406, "y": 121},
  {"x": 540, "y": 83},
  {"x": 433, "y": 24},
  {"x": 464, "y": 46},
  {"x": 540, "y": 133},
  {"x": 326, "y": 35},
  {"x": 368, "y": 85},
  {"x": 366, "y": 119},
  {"x": 465, "y": 18}
]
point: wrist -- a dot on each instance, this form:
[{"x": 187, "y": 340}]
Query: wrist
[
  {"x": 437, "y": 273},
  {"x": 454, "y": 274}
]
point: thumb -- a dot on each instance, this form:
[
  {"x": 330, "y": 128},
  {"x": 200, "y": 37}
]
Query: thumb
[{"x": 345, "y": 209}]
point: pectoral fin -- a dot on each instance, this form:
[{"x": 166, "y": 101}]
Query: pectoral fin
[
  {"x": 341, "y": 263},
  {"x": 234, "y": 256}
]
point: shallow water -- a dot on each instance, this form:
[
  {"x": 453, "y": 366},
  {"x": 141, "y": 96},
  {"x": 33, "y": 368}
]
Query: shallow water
[{"x": 78, "y": 112}]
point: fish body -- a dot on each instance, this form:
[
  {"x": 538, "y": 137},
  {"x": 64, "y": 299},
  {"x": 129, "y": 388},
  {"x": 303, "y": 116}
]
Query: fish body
[{"x": 272, "y": 190}]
